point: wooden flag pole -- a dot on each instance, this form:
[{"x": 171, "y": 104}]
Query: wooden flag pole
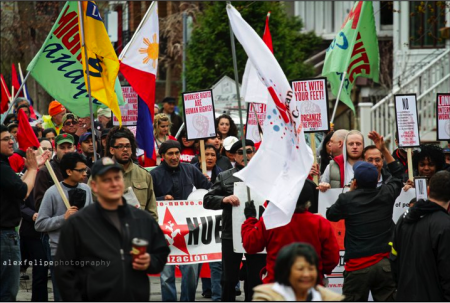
[
  {"x": 238, "y": 95},
  {"x": 55, "y": 180},
  {"x": 410, "y": 166},
  {"x": 313, "y": 147},
  {"x": 14, "y": 100},
  {"x": 202, "y": 155},
  {"x": 6, "y": 89},
  {"x": 83, "y": 45}
]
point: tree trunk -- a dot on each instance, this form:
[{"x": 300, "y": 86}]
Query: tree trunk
[{"x": 168, "y": 81}]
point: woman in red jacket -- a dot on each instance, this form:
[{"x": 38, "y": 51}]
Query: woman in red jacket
[{"x": 304, "y": 227}]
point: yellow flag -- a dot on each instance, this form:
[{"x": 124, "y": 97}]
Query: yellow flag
[{"x": 103, "y": 62}]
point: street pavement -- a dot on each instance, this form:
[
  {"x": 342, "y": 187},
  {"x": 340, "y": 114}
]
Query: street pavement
[{"x": 155, "y": 290}]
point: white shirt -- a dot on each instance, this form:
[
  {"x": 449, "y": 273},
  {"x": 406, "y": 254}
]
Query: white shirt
[{"x": 288, "y": 293}]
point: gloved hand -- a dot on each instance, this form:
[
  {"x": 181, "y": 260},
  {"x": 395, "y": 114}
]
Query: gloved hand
[
  {"x": 77, "y": 197},
  {"x": 250, "y": 210}
]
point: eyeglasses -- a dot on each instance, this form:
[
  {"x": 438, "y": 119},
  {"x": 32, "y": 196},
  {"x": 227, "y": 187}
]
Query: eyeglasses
[
  {"x": 248, "y": 150},
  {"x": 81, "y": 170},
  {"x": 120, "y": 146},
  {"x": 7, "y": 139},
  {"x": 47, "y": 148}
]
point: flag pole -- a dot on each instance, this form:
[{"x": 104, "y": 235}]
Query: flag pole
[
  {"x": 15, "y": 98},
  {"x": 338, "y": 95},
  {"x": 83, "y": 45},
  {"x": 236, "y": 80},
  {"x": 21, "y": 79}
]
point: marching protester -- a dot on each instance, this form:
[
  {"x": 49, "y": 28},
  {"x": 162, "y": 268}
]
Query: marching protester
[
  {"x": 161, "y": 127},
  {"x": 367, "y": 211},
  {"x": 53, "y": 212},
  {"x": 227, "y": 144},
  {"x": 304, "y": 227},
  {"x": 56, "y": 111},
  {"x": 13, "y": 190},
  {"x": 96, "y": 254},
  {"x": 222, "y": 162},
  {"x": 121, "y": 145},
  {"x": 104, "y": 117},
  {"x": 84, "y": 125},
  {"x": 70, "y": 124},
  {"x": 174, "y": 180},
  {"x": 421, "y": 244},
  {"x": 296, "y": 277},
  {"x": 49, "y": 133},
  {"x": 340, "y": 170},
  {"x": 221, "y": 197},
  {"x": 169, "y": 109},
  {"x": 226, "y": 127},
  {"x": 87, "y": 148},
  {"x": 63, "y": 145},
  {"x": 212, "y": 170},
  {"x": 188, "y": 150},
  {"x": 105, "y": 133}
]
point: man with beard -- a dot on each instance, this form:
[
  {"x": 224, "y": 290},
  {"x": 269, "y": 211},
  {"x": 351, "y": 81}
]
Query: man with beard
[
  {"x": 175, "y": 181},
  {"x": 339, "y": 172},
  {"x": 221, "y": 197},
  {"x": 70, "y": 126},
  {"x": 121, "y": 146},
  {"x": 87, "y": 148}
]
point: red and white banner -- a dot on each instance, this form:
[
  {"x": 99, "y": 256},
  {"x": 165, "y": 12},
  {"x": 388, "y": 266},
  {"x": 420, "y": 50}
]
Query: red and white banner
[
  {"x": 192, "y": 232},
  {"x": 443, "y": 117},
  {"x": 129, "y": 110}
]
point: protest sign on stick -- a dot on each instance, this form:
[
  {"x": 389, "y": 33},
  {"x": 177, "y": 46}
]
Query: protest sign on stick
[
  {"x": 443, "y": 117},
  {"x": 129, "y": 110},
  {"x": 312, "y": 104},
  {"x": 407, "y": 125}
]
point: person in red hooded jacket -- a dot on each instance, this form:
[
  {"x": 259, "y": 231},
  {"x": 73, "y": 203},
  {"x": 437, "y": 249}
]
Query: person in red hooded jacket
[{"x": 304, "y": 227}]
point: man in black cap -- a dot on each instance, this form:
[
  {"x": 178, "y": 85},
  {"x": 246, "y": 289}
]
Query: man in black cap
[
  {"x": 94, "y": 256},
  {"x": 87, "y": 148},
  {"x": 174, "y": 180},
  {"x": 367, "y": 211},
  {"x": 169, "y": 110},
  {"x": 221, "y": 197}
]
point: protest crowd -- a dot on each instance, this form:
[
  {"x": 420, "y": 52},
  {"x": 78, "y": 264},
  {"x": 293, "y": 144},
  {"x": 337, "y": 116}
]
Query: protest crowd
[{"x": 86, "y": 202}]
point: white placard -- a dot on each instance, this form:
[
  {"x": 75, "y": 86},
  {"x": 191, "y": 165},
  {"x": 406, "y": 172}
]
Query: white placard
[
  {"x": 443, "y": 116},
  {"x": 256, "y": 114},
  {"x": 240, "y": 190},
  {"x": 129, "y": 110},
  {"x": 192, "y": 232},
  {"x": 312, "y": 101},
  {"x": 199, "y": 115},
  {"x": 328, "y": 198},
  {"x": 407, "y": 121}
]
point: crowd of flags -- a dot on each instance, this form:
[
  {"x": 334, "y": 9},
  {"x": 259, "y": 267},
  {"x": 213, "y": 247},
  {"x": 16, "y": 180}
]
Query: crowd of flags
[{"x": 283, "y": 161}]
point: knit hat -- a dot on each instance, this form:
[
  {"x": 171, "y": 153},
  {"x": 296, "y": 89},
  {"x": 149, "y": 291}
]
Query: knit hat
[
  {"x": 366, "y": 174},
  {"x": 104, "y": 112},
  {"x": 55, "y": 108},
  {"x": 165, "y": 146}
]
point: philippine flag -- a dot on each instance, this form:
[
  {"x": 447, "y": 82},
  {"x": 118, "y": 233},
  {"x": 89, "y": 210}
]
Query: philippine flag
[{"x": 139, "y": 64}]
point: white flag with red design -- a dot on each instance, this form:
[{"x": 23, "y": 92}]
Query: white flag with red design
[{"x": 282, "y": 163}]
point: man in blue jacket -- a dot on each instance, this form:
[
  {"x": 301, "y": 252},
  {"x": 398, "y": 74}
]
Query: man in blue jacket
[{"x": 173, "y": 180}]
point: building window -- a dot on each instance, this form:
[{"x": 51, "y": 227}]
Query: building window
[
  {"x": 426, "y": 18},
  {"x": 386, "y": 15}
]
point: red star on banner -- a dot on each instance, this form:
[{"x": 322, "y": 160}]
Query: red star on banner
[{"x": 174, "y": 232}]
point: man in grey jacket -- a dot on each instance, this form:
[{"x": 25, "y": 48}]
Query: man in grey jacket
[{"x": 53, "y": 211}]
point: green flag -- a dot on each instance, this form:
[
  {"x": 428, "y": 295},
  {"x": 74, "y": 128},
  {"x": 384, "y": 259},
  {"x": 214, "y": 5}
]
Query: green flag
[
  {"x": 57, "y": 66},
  {"x": 354, "y": 49}
]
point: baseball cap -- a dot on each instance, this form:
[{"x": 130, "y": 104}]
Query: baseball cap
[
  {"x": 64, "y": 138},
  {"x": 238, "y": 144},
  {"x": 228, "y": 142},
  {"x": 104, "y": 112},
  {"x": 101, "y": 166},
  {"x": 85, "y": 136},
  {"x": 169, "y": 100},
  {"x": 69, "y": 116},
  {"x": 366, "y": 174}
]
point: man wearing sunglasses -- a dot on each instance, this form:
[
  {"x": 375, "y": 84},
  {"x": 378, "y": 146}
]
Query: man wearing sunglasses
[
  {"x": 221, "y": 196},
  {"x": 53, "y": 211},
  {"x": 70, "y": 124}
]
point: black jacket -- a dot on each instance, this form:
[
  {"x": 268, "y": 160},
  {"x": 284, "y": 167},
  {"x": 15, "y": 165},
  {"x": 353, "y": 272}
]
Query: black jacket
[
  {"x": 421, "y": 254},
  {"x": 223, "y": 187},
  {"x": 368, "y": 218},
  {"x": 177, "y": 182},
  {"x": 89, "y": 235}
]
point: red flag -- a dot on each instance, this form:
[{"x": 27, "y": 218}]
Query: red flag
[
  {"x": 4, "y": 105},
  {"x": 25, "y": 134},
  {"x": 267, "y": 38},
  {"x": 15, "y": 80}
]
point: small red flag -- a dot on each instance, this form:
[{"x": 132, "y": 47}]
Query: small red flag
[
  {"x": 25, "y": 134},
  {"x": 4, "y": 105},
  {"x": 267, "y": 38},
  {"x": 15, "y": 80}
]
